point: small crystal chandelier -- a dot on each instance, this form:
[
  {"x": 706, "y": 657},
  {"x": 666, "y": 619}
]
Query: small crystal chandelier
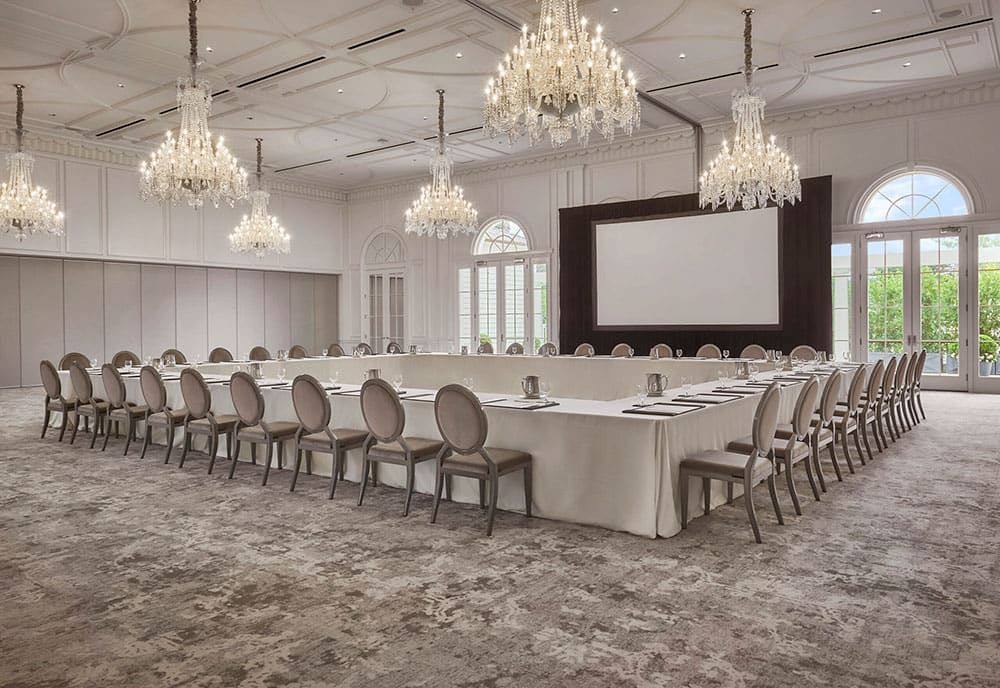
[
  {"x": 192, "y": 167},
  {"x": 561, "y": 80},
  {"x": 259, "y": 232},
  {"x": 752, "y": 172},
  {"x": 441, "y": 209},
  {"x": 25, "y": 209}
]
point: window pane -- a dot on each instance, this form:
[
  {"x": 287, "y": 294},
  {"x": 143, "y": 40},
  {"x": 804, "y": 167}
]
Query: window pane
[
  {"x": 514, "y": 306},
  {"x": 989, "y": 303},
  {"x": 840, "y": 257},
  {"x": 488, "y": 305},
  {"x": 465, "y": 308},
  {"x": 939, "y": 303},
  {"x": 501, "y": 236},
  {"x": 540, "y": 303},
  {"x": 885, "y": 299},
  {"x": 914, "y": 195}
]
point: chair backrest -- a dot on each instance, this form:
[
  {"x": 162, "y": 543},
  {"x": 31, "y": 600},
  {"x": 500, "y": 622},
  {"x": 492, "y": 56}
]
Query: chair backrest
[
  {"x": 585, "y": 350},
  {"x": 875, "y": 381},
  {"x": 856, "y": 388},
  {"x": 765, "y": 419},
  {"x": 393, "y": 348},
  {"x": 831, "y": 395},
  {"x": 805, "y": 404},
  {"x": 890, "y": 376},
  {"x": 662, "y": 351},
  {"x": 179, "y": 357},
  {"x": 622, "y": 350},
  {"x": 904, "y": 364},
  {"x": 709, "y": 351},
  {"x": 123, "y": 358},
  {"x": 921, "y": 359},
  {"x": 335, "y": 350},
  {"x": 153, "y": 390},
  {"x": 197, "y": 396},
  {"x": 312, "y": 405},
  {"x": 50, "y": 380},
  {"x": 365, "y": 349},
  {"x": 548, "y": 349},
  {"x": 754, "y": 351},
  {"x": 485, "y": 348},
  {"x": 114, "y": 386},
  {"x": 67, "y": 361},
  {"x": 803, "y": 352},
  {"x": 297, "y": 351},
  {"x": 460, "y": 419},
  {"x": 911, "y": 370},
  {"x": 220, "y": 354},
  {"x": 247, "y": 399},
  {"x": 515, "y": 349},
  {"x": 259, "y": 353},
  {"x": 382, "y": 410},
  {"x": 82, "y": 386}
]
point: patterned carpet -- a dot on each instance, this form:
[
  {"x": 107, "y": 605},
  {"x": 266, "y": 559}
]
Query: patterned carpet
[{"x": 120, "y": 572}]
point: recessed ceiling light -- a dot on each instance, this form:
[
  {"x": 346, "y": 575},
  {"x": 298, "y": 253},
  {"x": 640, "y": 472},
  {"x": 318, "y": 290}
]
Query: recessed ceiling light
[
  {"x": 52, "y": 114},
  {"x": 682, "y": 56},
  {"x": 121, "y": 85},
  {"x": 425, "y": 118},
  {"x": 209, "y": 49},
  {"x": 340, "y": 90},
  {"x": 877, "y": 10},
  {"x": 614, "y": 10},
  {"x": 249, "y": 116},
  {"x": 907, "y": 64},
  {"x": 458, "y": 56}
]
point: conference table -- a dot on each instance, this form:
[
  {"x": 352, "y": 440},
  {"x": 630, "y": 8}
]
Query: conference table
[{"x": 597, "y": 461}]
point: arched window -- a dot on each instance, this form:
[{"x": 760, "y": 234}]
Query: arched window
[
  {"x": 385, "y": 248},
  {"x": 501, "y": 236},
  {"x": 914, "y": 195}
]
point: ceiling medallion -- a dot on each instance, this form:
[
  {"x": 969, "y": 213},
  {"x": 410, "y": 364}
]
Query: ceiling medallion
[
  {"x": 752, "y": 172},
  {"x": 441, "y": 210},
  {"x": 561, "y": 80},
  {"x": 24, "y": 208},
  {"x": 260, "y": 232},
  {"x": 191, "y": 167}
]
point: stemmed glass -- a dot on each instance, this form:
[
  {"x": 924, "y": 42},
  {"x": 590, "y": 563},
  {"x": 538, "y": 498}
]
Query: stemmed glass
[
  {"x": 754, "y": 370},
  {"x": 544, "y": 389},
  {"x": 467, "y": 382},
  {"x": 724, "y": 379},
  {"x": 326, "y": 352},
  {"x": 334, "y": 377},
  {"x": 93, "y": 363},
  {"x": 397, "y": 382},
  {"x": 725, "y": 354},
  {"x": 641, "y": 392},
  {"x": 281, "y": 374},
  {"x": 679, "y": 352},
  {"x": 685, "y": 386}
]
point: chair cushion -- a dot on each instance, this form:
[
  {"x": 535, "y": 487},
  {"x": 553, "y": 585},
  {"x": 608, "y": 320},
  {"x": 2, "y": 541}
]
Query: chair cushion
[
  {"x": 281, "y": 429},
  {"x": 725, "y": 463},
  {"x": 96, "y": 406},
  {"x": 420, "y": 446},
  {"x": 134, "y": 411},
  {"x": 223, "y": 421},
  {"x": 346, "y": 437},
  {"x": 780, "y": 446},
  {"x": 172, "y": 417},
  {"x": 56, "y": 405},
  {"x": 506, "y": 460}
]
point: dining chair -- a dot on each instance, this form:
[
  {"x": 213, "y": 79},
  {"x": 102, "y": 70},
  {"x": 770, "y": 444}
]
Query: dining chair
[
  {"x": 335, "y": 350},
  {"x": 918, "y": 375},
  {"x": 754, "y": 351},
  {"x": 708, "y": 351},
  {"x": 822, "y": 433},
  {"x": 54, "y": 400},
  {"x": 121, "y": 409},
  {"x": 464, "y": 428},
  {"x": 393, "y": 348},
  {"x": 297, "y": 351},
  {"x": 515, "y": 349},
  {"x": 67, "y": 361},
  {"x": 124, "y": 358},
  {"x": 87, "y": 405},
  {"x": 903, "y": 374},
  {"x": 750, "y": 468},
  {"x": 365, "y": 349},
  {"x": 847, "y": 420},
  {"x": 794, "y": 447},
  {"x": 252, "y": 427},
  {"x": 201, "y": 420},
  {"x": 312, "y": 407},
  {"x": 662, "y": 351},
  {"x": 908, "y": 398},
  {"x": 485, "y": 348},
  {"x": 179, "y": 357},
  {"x": 584, "y": 350},
  {"x": 897, "y": 395},
  {"x": 220, "y": 354},
  {"x": 803, "y": 352},
  {"x": 884, "y": 411},
  {"x": 622, "y": 350},
  {"x": 158, "y": 414},
  {"x": 548, "y": 349},
  {"x": 869, "y": 411},
  {"x": 385, "y": 420},
  {"x": 259, "y": 353}
]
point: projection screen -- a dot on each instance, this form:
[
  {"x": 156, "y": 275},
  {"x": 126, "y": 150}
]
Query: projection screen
[{"x": 714, "y": 269}]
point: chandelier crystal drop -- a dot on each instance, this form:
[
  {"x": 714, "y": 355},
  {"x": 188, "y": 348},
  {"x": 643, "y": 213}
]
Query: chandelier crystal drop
[
  {"x": 441, "y": 210},
  {"x": 751, "y": 172},
  {"x": 561, "y": 80},
  {"x": 259, "y": 232},
  {"x": 191, "y": 167},
  {"x": 24, "y": 208}
]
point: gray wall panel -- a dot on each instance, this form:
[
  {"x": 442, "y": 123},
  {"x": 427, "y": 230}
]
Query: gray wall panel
[
  {"x": 222, "y": 310},
  {"x": 41, "y": 315},
  {"x": 83, "y": 299},
  {"x": 327, "y": 309},
  {"x": 277, "y": 328},
  {"x": 249, "y": 310},
  {"x": 10, "y": 323},
  {"x": 192, "y": 312},
  {"x": 158, "y": 309},
  {"x": 302, "y": 312},
  {"x": 122, "y": 311}
]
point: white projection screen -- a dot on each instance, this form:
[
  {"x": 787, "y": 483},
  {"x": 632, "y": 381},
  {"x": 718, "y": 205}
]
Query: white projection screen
[{"x": 705, "y": 270}]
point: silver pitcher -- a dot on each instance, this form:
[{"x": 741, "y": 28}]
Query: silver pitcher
[
  {"x": 656, "y": 383},
  {"x": 529, "y": 385},
  {"x": 413, "y": 349},
  {"x": 256, "y": 370},
  {"x": 373, "y": 374},
  {"x": 742, "y": 370}
]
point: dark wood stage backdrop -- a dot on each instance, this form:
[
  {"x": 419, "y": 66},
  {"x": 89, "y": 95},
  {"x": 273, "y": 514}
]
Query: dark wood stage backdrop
[{"x": 806, "y": 298}]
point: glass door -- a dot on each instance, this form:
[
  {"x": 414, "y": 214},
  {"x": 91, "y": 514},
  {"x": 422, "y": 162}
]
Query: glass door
[
  {"x": 888, "y": 316},
  {"x": 985, "y": 354},
  {"x": 939, "y": 304},
  {"x": 386, "y": 309},
  {"x": 502, "y": 300}
]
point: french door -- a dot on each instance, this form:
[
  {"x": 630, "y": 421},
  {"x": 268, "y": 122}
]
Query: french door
[
  {"x": 985, "y": 313},
  {"x": 502, "y": 302},
  {"x": 386, "y": 297}
]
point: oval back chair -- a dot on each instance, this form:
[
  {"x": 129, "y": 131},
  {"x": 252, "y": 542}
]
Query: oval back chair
[
  {"x": 335, "y": 350},
  {"x": 662, "y": 351},
  {"x": 67, "y": 361},
  {"x": 179, "y": 357},
  {"x": 220, "y": 354},
  {"x": 485, "y": 348},
  {"x": 259, "y": 353},
  {"x": 754, "y": 351},
  {"x": 123, "y": 359},
  {"x": 584, "y": 350},
  {"x": 803, "y": 352},
  {"x": 548, "y": 349},
  {"x": 708, "y": 351},
  {"x": 297, "y": 351},
  {"x": 515, "y": 349},
  {"x": 622, "y": 350}
]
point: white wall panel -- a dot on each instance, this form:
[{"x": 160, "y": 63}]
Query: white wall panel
[
  {"x": 10, "y": 317},
  {"x": 158, "y": 309},
  {"x": 668, "y": 175},
  {"x": 41, "y": 315},
  {"x": 135, "y": 227},
  {"x": 192, "y": 312},
  {"x": 83, "y": 285},
  {"x": 613, "y": 182},
  {"x": 327, "y": 310},
  {"x": 302, "y": 312},
  {"x": 249, "y": 310},
  {"x": 277, "y": 324},
  {"x": 122, "y": 309},
  {"x": 185, "y": 232},
  {"x": 317, "y": 231},
  {"x": 222, "y": 310},
  {"x": 84, "y": 221}
]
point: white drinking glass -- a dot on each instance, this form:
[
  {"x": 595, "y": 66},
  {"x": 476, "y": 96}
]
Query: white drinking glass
[
  {"x": 281, "y": 374},
  {"x": 641, "y": 392},
  {"x": 544, "y": 389},
  {"x": 467, "y": 382},
  {"x": 754, "y": 370},
  {"x": 725, "y": 354},
  {"x": 397, "y": 382},
  {"x": 685, "y": 386},
  {"x": 451, "y": 349},
  {"x": 93, "y": 363},
  {"x": 326, "y": 352},
  {"x": 334, "y": 377},
  {"x": 679, "y": 352}
]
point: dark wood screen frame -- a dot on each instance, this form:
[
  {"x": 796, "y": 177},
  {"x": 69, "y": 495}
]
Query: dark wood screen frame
[{"x": 805, "y": 294}]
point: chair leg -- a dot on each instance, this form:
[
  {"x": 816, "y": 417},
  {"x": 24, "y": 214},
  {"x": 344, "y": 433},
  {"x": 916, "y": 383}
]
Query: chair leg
[
  {"x": 845, "y": 447},
  {"x": 791, "y": 487},
  {"x": 213, "y": 449},
  {"x": 751, "y": 513},
  {"x": 878, "y": 440},
  {"x": 93, "y": 435},
  {"x": 236, "y": 458},
  {"x": 171, "y": 429},
  {"x": 892, "y": 417},
  {"x": 812, "y": 479},
  {"x": 46, "y": 419},
  {"x": 410, "y": 470},
  {"x": 253, "y": 454},
  {"x": 729, "y": 493},
  {"x": 527, "y": 490},
  {"x": 920, "y": 403},
  {"x": 447, "y": 487},
  {"x": 482, "y": 494},
  {"x": 267, "y": 460},
  {"x": 63, "y": 424},
  {"x": 309, "y": 462},
  {"x": 706, "y": 492},
  {"x": 774, "y": 500},
  {"x": 816, "y": 465},
  {"x": 491, "y": 515},
  {"x": 281, "y": 454},
  {"x": 364, "y": 478},
  {"x": 107, "y": 435},
  {"x": 857, "y": 445},
  {"x": 298, "y": 463},
  {"x": 129, "y": 433},
  {"x": 337, "y": 471},
  {"x": 147, "y": 438},
  {"x": 438, "y": 486},
  {"x": 186, "y": 447}
]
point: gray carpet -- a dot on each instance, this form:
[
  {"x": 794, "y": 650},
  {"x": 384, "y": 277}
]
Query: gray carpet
[{"x": 120, "y": 572}]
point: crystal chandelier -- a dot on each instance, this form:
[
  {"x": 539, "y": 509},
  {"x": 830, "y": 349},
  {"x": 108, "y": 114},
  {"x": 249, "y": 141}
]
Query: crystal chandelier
[
  {"x": 259, "y": 232},
  {"x": 191, "y": 167},
  {"x": 25, "y": 209},
  {"x": 441, "y": 209},
  {"x": 561, "y": 80},
  {"x": 752, "y": 172}
]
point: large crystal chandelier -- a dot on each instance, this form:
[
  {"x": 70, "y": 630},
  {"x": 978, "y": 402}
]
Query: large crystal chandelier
[
  {"x": 752, "y": 172},
  {"x": 259, "y": 232},
  {"x": 191, "y": 167},
  {"x": 562, "y": 80},
  {"x": 441, "y": 210},
  {"x": 24, "y": 208}
]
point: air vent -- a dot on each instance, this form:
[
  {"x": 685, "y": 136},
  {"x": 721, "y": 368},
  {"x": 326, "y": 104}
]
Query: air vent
[
  {"x": 119, "y": 127},
  {"x": 708, "y": 78},
  {"x": 214, "y": 95},
  {"x": 919, "y": 34},
  {"x": 379, "y": 150},
  {"x": 376, "y": 39},
  {"x": 305, "y": 164},
  {"x": 279, "y": 72}
]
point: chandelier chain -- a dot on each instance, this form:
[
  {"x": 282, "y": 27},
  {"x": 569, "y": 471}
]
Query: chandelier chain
[
  {"x": 748, "y": 45},
  {"x": 440, "y": 121},
  {"x": 260, "y": 161},
  {"x": 193, "y": 38},
  {"x": 19, "y": 132}
]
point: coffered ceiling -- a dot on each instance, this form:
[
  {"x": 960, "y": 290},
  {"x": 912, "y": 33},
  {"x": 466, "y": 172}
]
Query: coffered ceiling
[{"x": 343, "y": 91}]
